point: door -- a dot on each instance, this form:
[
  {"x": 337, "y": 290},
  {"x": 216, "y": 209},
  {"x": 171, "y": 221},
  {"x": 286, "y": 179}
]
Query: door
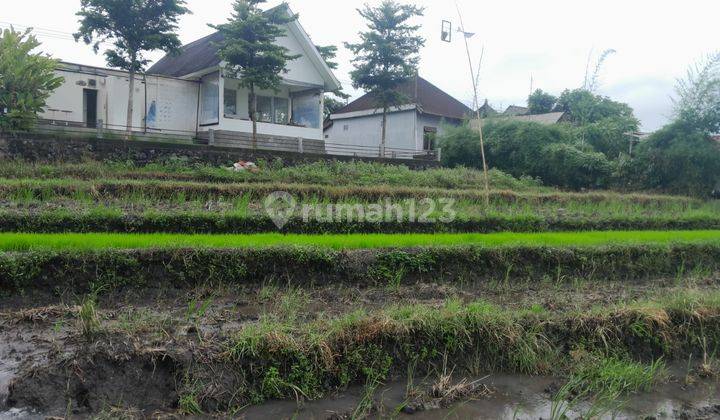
[
  {"x": 429, "y": 137},
  {"x": 90, "y": 107}
]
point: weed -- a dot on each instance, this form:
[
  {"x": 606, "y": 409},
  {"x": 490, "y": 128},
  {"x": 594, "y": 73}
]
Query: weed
[{"x": 88, "y": 317}]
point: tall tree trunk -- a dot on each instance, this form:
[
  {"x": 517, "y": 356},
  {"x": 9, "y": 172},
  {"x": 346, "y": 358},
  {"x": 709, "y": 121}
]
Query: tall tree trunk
[
  {"x": 131, "y": 97},
  {"x": 253, "y": 115},
  {"x": 384, "y": 132}
]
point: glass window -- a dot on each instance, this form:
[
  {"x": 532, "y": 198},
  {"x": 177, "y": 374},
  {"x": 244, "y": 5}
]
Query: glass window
[
  {"x": 210, "y": 100},
  {"x": 281, "y": 108},
  {"x": 306, "y": 109},
  {"x": 264, "y": 109},
  {"x": 230, "y": 100}
]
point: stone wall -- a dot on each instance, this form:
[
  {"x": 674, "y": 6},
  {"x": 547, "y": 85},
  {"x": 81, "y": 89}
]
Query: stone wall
[{"x": 51, "y": 148}]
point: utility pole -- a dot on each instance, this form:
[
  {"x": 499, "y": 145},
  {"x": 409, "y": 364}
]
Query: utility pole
[{"x": 476, "y": 105}]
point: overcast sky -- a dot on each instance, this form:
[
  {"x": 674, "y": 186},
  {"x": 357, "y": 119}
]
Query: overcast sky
[{"x": 549, "y": 40}]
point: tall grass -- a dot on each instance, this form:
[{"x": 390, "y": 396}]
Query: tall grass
[
  {"x": 91, "y": 241},
  {"x": 325, "y": 173}
]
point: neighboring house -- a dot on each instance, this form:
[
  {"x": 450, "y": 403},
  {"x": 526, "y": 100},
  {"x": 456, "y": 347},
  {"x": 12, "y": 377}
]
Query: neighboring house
[
  {"x": 519, "y": 113},
  {"x": 189, "y": 93},
  {"x": 716, "y": 138},
  {"x": 486, "y": 110},
  {"x": 548, "y": 119},
  {"x": 513, "y": 111},
  {"x": 412, "y": 126}
]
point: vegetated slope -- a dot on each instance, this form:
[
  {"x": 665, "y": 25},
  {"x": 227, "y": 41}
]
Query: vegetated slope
[
  {"x": 186, "y": 364},
  {"x": 34, "y": 199}
]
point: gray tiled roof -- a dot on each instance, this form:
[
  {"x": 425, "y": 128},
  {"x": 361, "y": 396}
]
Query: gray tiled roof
[
  {"x": 196, "y": 56},
  {"x": 430, "y": 99}
]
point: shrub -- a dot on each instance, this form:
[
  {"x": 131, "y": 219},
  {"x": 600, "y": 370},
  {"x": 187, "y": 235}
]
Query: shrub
[
  {"x": 678, "y": 159},
  {"x": 525, "y": 149},
  {"x": 26, "y": 80}
]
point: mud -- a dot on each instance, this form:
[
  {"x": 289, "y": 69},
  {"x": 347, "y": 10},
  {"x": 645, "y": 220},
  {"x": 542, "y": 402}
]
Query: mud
[
  {"x": 512, "y": 397},
  {"x": 150, "y": 336}
]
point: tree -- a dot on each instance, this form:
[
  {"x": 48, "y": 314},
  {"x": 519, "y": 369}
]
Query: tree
[
  {"x": 388, "y": 54},
  {"x": 331, "y": 102},
  {"x": 699, "y": 102},
  {"x": 26, "y": 80},
  {"x": 541, "y": 102},
  {"x": 133, "y": 27},
  {"x": 679, "y": 159},
  {"x": 249, "y": 49},
  {"x": 584, "y": 107},
  {"x": 524, "y": 149}
]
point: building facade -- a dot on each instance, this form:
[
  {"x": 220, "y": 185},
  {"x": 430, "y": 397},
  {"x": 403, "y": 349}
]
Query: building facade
[
  {"x": 190, "y": 93},
  {"x": 413, "y": 126}
]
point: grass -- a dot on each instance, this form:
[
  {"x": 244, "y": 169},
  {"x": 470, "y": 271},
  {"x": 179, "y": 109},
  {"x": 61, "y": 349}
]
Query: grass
[
  {"x": 93, "y": 241},
  {"x": 300, "y": 357},
  {"x": 324, "y": 173}
]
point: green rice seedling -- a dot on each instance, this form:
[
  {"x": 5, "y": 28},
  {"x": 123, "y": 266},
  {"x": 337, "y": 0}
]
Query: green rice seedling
[
  {"x": 96, "y": 241},
  {"x": 88, "y": 317}
]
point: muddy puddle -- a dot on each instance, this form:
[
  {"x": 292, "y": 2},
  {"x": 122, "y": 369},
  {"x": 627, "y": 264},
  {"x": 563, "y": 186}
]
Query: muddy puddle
[{"x": 510, "y": 397}]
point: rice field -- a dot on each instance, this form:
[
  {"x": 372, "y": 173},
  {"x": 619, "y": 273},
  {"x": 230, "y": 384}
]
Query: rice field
[
  {"x": 171, "y": 279},
  {"x": 13, "y": 242}
]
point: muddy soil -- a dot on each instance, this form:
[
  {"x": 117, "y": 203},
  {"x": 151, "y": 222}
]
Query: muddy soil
[
  {"x": 510, "y": 397},
  {"x": 148, "y": 334}
]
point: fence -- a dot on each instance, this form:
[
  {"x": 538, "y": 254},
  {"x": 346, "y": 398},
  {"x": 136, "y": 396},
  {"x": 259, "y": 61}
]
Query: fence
[{"x": 231, "y": 139}]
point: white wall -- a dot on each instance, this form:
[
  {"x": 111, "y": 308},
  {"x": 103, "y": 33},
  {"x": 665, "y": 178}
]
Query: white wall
[
  {"x": 176, "y": 104},
  {"x": 300, "y": 69},
  {"x": 175, "y": 100},
  {"x": 66, "y": 103},
  {"x": 367, "y": 131},
  {"x": 405, "y": 130}
]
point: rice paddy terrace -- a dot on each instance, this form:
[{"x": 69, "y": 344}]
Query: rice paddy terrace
[{"x": 169, "y": 290}]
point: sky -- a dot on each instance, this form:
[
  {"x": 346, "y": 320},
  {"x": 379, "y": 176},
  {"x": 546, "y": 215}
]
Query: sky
[{"x": 547, "y": 42}]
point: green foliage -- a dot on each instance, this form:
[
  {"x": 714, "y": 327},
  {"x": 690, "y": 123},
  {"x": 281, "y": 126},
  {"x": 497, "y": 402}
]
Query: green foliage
[
  {"x": 679, "y": 158},
  {"x": 524, "y": 149},
  {"x": 331, "y": 105},
  {"x": 249, "y": 46},
  {"x": 584, "y": 107},
  {"x": 609, "y": 136},
  {"x": 329, "y": 54},
  {"x": 132, "y": 26},
  {"x": 573, "y": 167},
  {"x": 541, "y": 102},
  {"x": 26, "y": 80},
  {"x": 387, "y": 55},
  {"x": 250, "y": 50},
  {"x": 699, "y": 102}
]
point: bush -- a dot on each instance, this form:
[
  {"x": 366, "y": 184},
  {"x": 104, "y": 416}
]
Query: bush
[
  {"x": 524, "y": 149},
  {"x": 677, "y": 159},
  {"x": 26, "y": 80}
]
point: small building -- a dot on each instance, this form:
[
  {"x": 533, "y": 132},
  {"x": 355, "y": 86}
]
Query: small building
[
  {"x": 411, "y": 127},
  {"x": 190, "y": 94},
  {"x": 514, "y": 111}
]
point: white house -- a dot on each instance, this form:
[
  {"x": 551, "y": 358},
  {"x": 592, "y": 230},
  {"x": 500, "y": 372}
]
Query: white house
[
  {"x": 189, "y": 93},
  {"x": 412, "y": 127}
]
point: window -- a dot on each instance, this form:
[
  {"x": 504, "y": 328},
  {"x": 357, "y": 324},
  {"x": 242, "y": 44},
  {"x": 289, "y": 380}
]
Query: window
[
  {"x": 264, "y": 109},
  {"x": 346, "y": 127},
  {"x": 429, "y": 136},
  {"x": 306, "y": 109},
  {"x": 281, "y": 108},
  {"x": 210, "y": 100},
  {"x": 273, "y": 110},
  {"x": 230, "y": 101}
]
